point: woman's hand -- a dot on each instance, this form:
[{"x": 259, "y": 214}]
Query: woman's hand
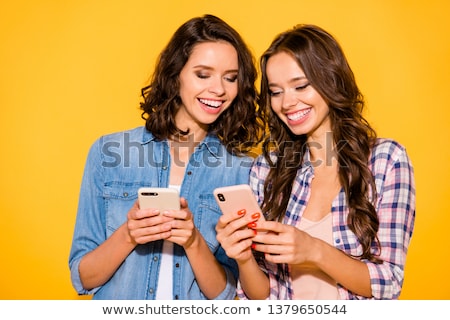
[
  {"x": 285, "y": 244},
  {"x": 234, "y": 235},
  {"x": 183, "y": 230},
  {"x": 147, "y": 225}
]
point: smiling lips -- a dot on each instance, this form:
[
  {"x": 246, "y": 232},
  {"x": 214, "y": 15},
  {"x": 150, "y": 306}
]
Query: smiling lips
[
  {"x": 298, "y": 116},
  {"x": 211, "y": 103}
]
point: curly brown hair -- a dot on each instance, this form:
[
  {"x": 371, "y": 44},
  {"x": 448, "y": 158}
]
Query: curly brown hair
[
  {"x": 327, "y": 69},
  {"x": 241, "y": 126}
]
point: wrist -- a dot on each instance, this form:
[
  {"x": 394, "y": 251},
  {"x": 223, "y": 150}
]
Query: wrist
[
  {"x": 126, "y": 234},
  {"x": 317, "y": 252},
  {"x": 194, "y": 241}
]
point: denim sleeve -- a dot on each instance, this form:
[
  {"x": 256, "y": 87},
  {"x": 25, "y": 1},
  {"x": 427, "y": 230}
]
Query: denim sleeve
[
  {"x": 89, "y": 230},
  {"x": 231, "y": 270}
]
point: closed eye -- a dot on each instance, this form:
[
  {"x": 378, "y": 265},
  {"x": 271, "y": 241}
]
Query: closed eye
[
  {"x": 302, "y": 87},
  {"x": 203, "y": 75},
  {"x": 231, "y": 78},
  {"x": 274, "y": 93}
]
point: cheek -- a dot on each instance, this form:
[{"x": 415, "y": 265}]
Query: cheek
[
  {"x": 188, "y": 89},
  {"x": 321, "y": 105},
  {"x": 232, "y": 90},
  {"x": 276, "y": 108},
  {"x": 313, "y": 97},
  {"x": 275, "y": 104}
]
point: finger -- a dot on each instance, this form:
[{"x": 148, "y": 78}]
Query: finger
[
  {"x": 273, "y": 226},
  {"x": 243, "y": 221},
  {"x": 276, "y": 258},
  {"x": 221, "y": 223},
  {"x": 181, "y": 228},
  {"x": 229, "y": 223},
  {"x": 183, "y": 203},
  {"x": 184, "y": 214},
  {"x": 228, "y": 217},
  {"x": 273, "y": 249},
  {"x": 267, "y": 237},
  {"x": 152, "y": 237},
  {"x": 185, "y": 235},
  {"x": 144, "y": 213},
  {"x": 154, "y": 232},
  {"x": 133, "y": 210},
  {"x": 238, "y": 237},
  {"x": 238, "y": 249},
  {"x": 155, "y": 229},
  {"x": 148, "y": 222}
]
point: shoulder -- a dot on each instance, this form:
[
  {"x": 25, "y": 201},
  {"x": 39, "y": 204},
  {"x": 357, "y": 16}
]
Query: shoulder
[
  {"x": 114, "y": 145},
  {"x": 261, "y": 166},
  {"x": 138, "y": 134},
  {"x": 261, "y": 161},
  {"x": 387, "y": 148},
  {"x": 387, "y": 152},
  {"x": 116, "y": 142}
]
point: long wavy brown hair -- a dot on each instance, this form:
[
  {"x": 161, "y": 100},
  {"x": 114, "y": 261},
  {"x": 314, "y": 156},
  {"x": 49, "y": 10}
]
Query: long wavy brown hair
[
  {"x": 241, "y": 126},
  {"x": 327, "y": 69}
]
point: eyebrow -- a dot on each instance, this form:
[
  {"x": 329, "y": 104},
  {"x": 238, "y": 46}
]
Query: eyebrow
[
  {"x": 202, "y": 66},
  {"x": 290, "y": 81}
]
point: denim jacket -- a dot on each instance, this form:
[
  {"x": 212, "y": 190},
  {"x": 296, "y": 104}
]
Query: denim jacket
[{"x": 117, "y": 165}]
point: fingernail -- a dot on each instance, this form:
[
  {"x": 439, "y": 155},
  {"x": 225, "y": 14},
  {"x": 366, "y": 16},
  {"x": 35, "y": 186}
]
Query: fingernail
[
  {"x": 255, "y": 232},
  {"x": 241, "y": 212},
  {"x": 256, "y": 215},
  {"x": 253, "y": 245},
  {"x": 251, "y": 225}
]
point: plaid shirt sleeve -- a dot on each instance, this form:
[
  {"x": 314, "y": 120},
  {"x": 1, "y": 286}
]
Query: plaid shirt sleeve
[{"x": 394, "y": 177}]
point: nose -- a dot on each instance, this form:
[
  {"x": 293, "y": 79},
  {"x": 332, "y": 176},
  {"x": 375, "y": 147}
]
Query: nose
[
  {"x": 217, "y": 87},
  {"x": 289, "y": 99}
]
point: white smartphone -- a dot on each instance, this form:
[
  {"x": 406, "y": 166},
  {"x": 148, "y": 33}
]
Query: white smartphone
[
  {"x": 233, "y": 198},
  {"x": 159, "y": 198}
]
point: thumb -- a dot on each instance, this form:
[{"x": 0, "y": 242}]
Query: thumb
[{"x": 183, "y": 203}]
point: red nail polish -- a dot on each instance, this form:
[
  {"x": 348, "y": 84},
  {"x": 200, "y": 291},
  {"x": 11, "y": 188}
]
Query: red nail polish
[
  {"x": 253, "y": 245},
  {"x": 255, "y": 232},
  {"x": 251, "y": 225},
  {"x": 256, "y": 215},
  {"x": 241, "y": 212}
]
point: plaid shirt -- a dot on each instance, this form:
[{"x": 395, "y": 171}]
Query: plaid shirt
[{"x": 395, "y": 205}]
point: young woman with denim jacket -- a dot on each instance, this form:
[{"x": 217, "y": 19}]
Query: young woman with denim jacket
[{"x": 201, "y": 124}]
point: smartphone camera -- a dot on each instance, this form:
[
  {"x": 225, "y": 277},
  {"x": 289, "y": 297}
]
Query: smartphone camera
[
  {"x": 221, "y": 197},
  {"x": 150, "y": 194}
]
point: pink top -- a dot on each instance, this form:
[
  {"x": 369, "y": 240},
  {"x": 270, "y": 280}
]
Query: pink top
[{"x": 308, "y": 282}]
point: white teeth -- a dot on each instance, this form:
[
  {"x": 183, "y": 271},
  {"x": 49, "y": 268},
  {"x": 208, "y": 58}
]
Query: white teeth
[
  {"x": 211, "y": 103},
  {"x": 298, "y": 115}
]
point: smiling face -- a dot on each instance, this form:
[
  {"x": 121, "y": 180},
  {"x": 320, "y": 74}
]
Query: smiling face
[
  {"x": 208, "y": 84},
  {"x": 294, "y": 99}
]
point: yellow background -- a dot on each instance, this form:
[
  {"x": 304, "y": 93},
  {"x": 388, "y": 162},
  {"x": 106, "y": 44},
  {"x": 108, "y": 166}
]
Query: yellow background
[{"x": 72, "y": 70}]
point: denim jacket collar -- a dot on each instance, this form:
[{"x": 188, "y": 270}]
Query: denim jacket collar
[{"x": 211, "y": 142}]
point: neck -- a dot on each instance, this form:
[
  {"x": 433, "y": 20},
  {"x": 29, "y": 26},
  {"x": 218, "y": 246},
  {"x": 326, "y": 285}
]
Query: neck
[
  {"x": 192, "y": 139},
  {"x": 322, "y": 148}
]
